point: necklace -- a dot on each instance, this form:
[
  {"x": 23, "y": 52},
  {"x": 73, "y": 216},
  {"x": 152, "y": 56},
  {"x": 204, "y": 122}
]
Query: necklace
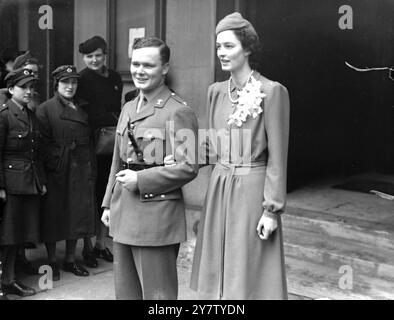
[{"x": 229, "y": 88}]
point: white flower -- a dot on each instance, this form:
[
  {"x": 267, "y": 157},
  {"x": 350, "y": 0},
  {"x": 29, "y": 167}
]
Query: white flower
[{"x": 248, "y": 103}]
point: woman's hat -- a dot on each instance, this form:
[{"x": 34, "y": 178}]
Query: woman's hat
[
  {"x": 92, "y": 44},
  {"x": 234, "y": 21},
  {"x": 19, "y": 77},
  {"x": 65, "y": 72},
  {"x": 24, "y": 59}
]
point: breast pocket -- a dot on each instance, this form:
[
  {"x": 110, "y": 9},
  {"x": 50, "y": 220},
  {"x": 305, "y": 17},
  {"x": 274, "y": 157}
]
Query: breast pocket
[
  {"x": 121, "y": 137},
  {"x": 152, "y": 142},
  {"x": 18, "y": 140}
]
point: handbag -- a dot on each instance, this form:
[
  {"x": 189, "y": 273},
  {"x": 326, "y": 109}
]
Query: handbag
[{"x": 105, "y": 139}]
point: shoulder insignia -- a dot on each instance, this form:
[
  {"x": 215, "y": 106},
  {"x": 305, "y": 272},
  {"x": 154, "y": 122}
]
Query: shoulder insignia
[
  {"x": 3, "y": 107},
  {"x": 178, "y": 99}
]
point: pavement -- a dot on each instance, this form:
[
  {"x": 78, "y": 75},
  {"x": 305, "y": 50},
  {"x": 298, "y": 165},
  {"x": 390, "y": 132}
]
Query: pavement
[{"x": 99, "y": 284}]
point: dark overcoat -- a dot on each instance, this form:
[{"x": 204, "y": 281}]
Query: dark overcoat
[{"x": 69, "y": 206}]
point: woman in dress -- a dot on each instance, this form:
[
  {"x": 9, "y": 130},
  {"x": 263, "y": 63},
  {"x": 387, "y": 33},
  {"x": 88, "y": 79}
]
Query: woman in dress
[
  {"x": 70, "y": 209},
  {"x": 22, "y": 177},
  {"x": 239, "y": 249},
  {"x": 102, "y": 88}
]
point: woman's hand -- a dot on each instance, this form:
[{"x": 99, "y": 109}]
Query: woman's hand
[
  {"x": 169, "y": 160},
  {"x": 128, "y": 179},
  {"x": 106, "y": 217},
  {"x": 3, "y": 195},
  {"x": 266, "y": 226}
]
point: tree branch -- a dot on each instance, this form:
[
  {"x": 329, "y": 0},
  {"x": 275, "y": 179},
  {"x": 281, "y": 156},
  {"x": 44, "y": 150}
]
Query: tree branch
[{"x": 390, "y": 69}]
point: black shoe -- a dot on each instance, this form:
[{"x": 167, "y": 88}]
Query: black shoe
[
  {"x": 25, "y": 266},
  {"x": 89, "y": 259},
  {"x": 105, "y": 254},
  {"x": 3, "y": 296},
  {"x": 19, "y": 289},
  {"x": 55, "y": 271},
  {"x": 76, "y": 269}
]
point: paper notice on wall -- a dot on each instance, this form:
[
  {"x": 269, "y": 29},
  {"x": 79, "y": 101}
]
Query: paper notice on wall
[{"x": 135, "y": 33}]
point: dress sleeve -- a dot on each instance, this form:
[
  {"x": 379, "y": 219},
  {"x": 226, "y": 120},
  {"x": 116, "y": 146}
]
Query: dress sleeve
[
  {"x": 205, "y": 149},
  {"x": 277, "y": 117}
]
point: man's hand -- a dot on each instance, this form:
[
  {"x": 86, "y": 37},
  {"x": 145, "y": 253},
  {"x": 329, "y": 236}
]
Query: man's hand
[
  {"x": 3, "y": 195},
  {"x": 106, "y": 217},
  {"x": 44, "y": 190},
  {"x": 128, "y": 179},
  {"x": 266, "y": 226}
]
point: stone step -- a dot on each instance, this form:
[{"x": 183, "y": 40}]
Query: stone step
[
  {"x": 372, "y": 233},
  {"x": 318, "y": 246},
  {"x": 317, "y": 281}
]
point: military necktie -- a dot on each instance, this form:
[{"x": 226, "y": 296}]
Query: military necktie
[{"x": 141, "y": 102}]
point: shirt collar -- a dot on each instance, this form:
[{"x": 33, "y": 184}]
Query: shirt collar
[
  {"x": 153, "y": 94},
  {"x": 69, "y": 103},
  {"x": 20, "y": 106}
]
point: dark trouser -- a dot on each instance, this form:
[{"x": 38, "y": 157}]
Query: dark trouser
[{"x": 145, "y": 272}]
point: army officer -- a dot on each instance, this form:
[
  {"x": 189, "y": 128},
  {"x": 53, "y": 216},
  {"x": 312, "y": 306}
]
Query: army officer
[{"x": 144, "y": 206}]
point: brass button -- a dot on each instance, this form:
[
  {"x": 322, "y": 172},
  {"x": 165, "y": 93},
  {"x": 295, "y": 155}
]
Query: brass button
[
  {"x": 163, "y": 195},
  {"x": 146, "y": 195},
  {"x": 151, "y": 195}
]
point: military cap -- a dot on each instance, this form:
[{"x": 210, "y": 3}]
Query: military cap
[
  {"x": 235, "y": 21},
  {"x": 19, "y": 77},
  {"x": 24, "y": 59},
  {"x": 92, "y": 44},
  {"x": 65, "y": 72}
]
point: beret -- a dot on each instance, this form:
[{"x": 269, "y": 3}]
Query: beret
[
  {"x": 24, "y": 59},
  {"x": 234, "y": 21},
  {"x": 65, "y": 72},
  {"x": 92, "y": 44},
  {"x": 19, "y": 77}
]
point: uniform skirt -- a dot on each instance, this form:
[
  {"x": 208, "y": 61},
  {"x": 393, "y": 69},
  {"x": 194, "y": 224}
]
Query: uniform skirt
[
  {"x": 20, "y": 219},
  {"x": 231, "y": 261}
]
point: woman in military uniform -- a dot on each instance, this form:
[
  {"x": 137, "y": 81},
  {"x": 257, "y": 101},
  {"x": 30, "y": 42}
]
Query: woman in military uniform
[
  {"x": 22, "y": 177},
  {"x": 70, "y": 210}
]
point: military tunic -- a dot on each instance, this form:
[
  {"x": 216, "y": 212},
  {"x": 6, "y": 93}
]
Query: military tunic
[
  {"x": 153, "y": 215},
  {"x": 22, "y": 174}
]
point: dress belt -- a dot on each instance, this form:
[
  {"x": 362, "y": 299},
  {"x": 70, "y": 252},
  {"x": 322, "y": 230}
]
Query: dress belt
[{"x": 240, "y": 168}]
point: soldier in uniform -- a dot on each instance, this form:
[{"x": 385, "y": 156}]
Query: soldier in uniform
[
  {"x": 22, "y": 177},
  {"x": 25, "y": 61},
  {"x": 143, "y": 203}
]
